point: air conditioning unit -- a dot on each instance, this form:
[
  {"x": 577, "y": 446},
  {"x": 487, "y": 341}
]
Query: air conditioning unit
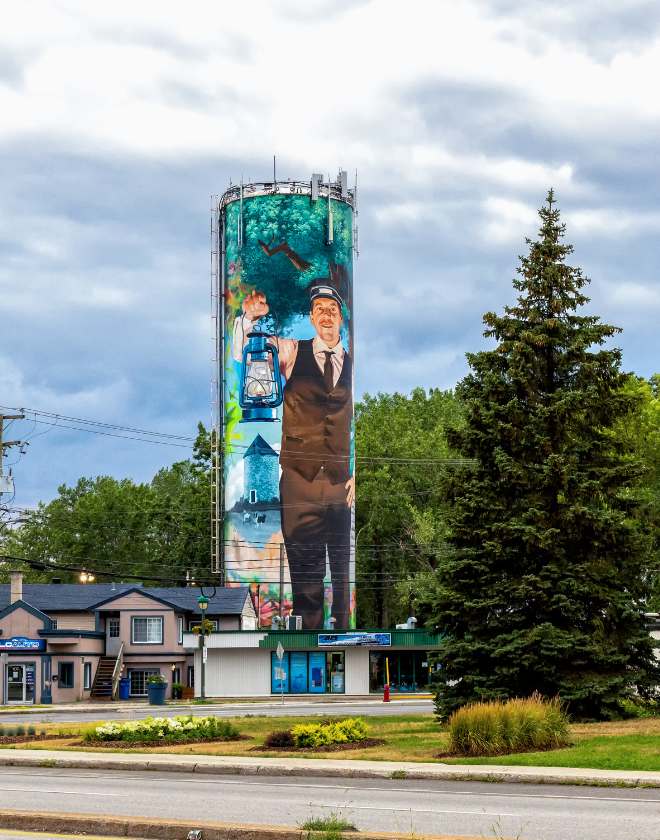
[{"x": 293, "y": 622}]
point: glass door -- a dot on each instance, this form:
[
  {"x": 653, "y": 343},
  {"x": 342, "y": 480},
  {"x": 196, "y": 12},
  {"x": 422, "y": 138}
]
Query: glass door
[
  {"x": 15, "y": 683},
  {"x": 335, "y": 671}
]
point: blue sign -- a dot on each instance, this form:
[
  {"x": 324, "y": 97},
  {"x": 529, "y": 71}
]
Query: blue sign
[
  {"x": 355, "y": 639},
  {"x": 317, "y": 672},
  {"x": 298, "y": 672},
  {"x": 279, "y": 675},
  {"x": 22, "y": 644}
]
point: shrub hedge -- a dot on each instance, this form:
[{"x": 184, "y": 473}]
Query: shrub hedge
[{"x": 318, "y": 734}]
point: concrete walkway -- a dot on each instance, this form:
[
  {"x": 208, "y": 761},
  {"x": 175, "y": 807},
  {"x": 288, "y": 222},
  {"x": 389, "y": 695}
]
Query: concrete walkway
[{"x": 343, "y": 768}]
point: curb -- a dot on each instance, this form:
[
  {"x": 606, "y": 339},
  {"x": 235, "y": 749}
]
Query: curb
[
  {"x": 327, "y": 768},
  {"x": 170, "y": 829}
]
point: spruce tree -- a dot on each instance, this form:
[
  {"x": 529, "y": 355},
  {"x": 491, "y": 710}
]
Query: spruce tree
[{"x": 545, "y": 589}]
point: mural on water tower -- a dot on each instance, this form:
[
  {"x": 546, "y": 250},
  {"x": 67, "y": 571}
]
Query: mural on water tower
[{"x": 288, "y": 375}]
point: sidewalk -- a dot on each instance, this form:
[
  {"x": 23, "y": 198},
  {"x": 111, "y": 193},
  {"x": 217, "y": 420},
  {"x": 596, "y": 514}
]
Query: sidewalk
[{"x": 343, "y": 768}]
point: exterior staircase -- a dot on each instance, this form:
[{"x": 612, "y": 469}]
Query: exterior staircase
[{"x": 102, "y": 685}]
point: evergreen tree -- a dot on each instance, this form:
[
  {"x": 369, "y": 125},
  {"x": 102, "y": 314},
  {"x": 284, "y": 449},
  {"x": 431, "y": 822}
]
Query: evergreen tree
[{"x": 545, "y": 590}]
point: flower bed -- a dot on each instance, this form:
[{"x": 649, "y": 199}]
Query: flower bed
[
  {"x": 347, "y": 745},
  {"x": 182, "y": 728}
]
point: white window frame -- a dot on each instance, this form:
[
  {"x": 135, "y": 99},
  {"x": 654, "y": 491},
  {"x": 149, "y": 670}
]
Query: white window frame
[
  {"x": 87, "y": 676},
  {"x": 150, "y": 623},
  {"x": 179, "y": 628},
  {"x": 114, "y": 623},
  {"x": 198, "y": 623}
]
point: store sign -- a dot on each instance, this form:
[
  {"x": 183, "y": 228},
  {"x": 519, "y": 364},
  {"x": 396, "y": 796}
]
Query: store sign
[
  {"x": 355, "y": 639},
  {"x": 22, "y": 644}
]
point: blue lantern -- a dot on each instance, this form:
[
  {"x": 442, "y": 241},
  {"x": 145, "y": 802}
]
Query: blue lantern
[{"x": 261, "y": 388}]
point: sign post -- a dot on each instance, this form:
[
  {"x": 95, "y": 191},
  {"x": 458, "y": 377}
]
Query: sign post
[
  {"x": 4, "y": 658},
  {"x": 280, "y": 656}
]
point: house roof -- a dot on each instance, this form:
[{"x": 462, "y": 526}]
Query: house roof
[
  {"x": 260, "y": 447},
  {"x": 54, "y": 597}
]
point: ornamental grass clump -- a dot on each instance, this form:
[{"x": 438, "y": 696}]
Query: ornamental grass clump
[
  {"x": 163, "y": 729},
  {"x": 319, "y": 735},
  {"x": 497, "y": 728}
]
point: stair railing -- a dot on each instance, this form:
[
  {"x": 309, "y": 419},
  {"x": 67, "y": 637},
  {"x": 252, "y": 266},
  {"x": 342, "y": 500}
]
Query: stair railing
[{"x": 116, "y": 674}]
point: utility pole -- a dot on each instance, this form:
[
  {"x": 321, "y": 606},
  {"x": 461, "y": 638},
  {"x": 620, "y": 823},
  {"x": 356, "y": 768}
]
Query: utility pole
[{"x": 6, "y": 481}]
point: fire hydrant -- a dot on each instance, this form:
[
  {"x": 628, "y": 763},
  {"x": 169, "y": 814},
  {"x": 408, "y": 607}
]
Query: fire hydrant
[{"x": 386, "y": 694}]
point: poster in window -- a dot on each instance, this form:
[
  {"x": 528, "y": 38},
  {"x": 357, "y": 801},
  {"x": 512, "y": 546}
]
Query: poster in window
[{"x": 317, "y": 672}]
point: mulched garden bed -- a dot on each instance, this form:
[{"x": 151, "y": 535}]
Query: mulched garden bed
[
  {"x": 160, "y": 742},
  {"x": 21, "y": 739},
  {"x": 348, "y": 745},
  {"x": 449, "y": 754}
]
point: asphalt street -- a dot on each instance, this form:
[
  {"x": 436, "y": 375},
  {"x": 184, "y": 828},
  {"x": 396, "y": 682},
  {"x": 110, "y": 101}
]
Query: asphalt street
[
  {"x": 544, "y": 812},
  {"x": 134, "y": 711}
]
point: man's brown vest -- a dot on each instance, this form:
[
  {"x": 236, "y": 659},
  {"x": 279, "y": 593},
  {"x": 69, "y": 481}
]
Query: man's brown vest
[{"x": 315, "y": 421}]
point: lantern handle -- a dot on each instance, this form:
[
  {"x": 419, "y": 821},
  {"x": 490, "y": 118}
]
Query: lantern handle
[{"x": 201, "y": 589}]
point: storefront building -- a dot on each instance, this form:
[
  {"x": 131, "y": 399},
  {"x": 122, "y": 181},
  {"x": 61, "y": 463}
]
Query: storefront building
[{"x": 354, "y": 663}]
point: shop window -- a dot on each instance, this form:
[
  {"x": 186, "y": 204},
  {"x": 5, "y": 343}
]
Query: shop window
[
  {"x": 407, "y": 671},
  {"x": 87, "y": 675},
  {"x": 279, "y": 674},
  {"x": 316, "y": 672},
  {"x": 65, "y": 675},
  {"x": 147, "y": 631},
  {"x": 138, "y": 680},
  {"x": 113, "y": 628},
  {"x": 335, "y": 671}
]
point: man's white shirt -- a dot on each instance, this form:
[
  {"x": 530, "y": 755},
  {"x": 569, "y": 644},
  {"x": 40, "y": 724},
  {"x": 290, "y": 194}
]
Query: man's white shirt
[{"x": 287, "y": 349}]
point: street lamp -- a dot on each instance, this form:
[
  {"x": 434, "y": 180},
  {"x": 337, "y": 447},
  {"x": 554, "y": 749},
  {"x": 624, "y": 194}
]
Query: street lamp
[{"x": 203, "y": 603}]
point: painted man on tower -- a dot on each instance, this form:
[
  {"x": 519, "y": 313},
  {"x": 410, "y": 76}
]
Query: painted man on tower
[{"x": 317, "y": 486}]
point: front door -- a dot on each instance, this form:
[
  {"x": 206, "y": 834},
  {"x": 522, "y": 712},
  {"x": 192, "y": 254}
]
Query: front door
[
  {"x": 112, "y": 637},
  {"x": 20, "y": 683}
]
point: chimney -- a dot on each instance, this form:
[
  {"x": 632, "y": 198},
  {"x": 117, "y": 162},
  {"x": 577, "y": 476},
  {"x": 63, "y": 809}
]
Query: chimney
[{"x": 16, "y": 586}]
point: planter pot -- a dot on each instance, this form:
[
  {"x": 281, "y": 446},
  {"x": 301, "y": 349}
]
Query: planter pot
[{"x": 156, "y": 693}]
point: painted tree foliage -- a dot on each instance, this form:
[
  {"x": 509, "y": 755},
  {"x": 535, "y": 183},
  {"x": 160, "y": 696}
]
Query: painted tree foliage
[{"x": 547, "y": 587}]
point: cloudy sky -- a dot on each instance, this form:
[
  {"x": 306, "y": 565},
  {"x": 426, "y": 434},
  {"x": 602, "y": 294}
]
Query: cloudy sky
[{"x": 119, "y": 121}]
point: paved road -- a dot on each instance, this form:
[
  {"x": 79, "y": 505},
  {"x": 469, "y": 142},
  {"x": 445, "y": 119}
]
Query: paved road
[
  {"x": 128, "y": 711},
  {"x": 544, "y": 812}
]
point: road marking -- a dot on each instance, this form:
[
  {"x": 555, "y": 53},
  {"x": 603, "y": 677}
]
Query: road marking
[
  {"x": 352, "y": 807},
  {"x": 281, "y": 783},
  {"x": 73, "y": 792}
]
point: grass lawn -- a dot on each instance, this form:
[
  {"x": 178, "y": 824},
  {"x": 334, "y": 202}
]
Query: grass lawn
[{"x": 628, "y": 745}]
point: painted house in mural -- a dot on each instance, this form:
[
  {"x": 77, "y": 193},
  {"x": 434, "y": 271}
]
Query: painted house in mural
[{"x": 261, "y": 474}]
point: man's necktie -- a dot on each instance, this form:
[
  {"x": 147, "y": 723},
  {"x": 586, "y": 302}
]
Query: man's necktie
[{"x": 327, "y": 371}]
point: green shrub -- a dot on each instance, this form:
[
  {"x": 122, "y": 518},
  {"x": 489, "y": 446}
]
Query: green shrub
[
  {"x": 43, "y": 732},
  {"x": 319, "y": 734},
  {"x": 2, "y": 730},
  {"x": 157, "y": 729},
  {"x": 32, "y": 730},
  {"x": 20, "y": 730},
  {"x": 510, "y": 726},
  {"x": 10, "y": 730}
]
